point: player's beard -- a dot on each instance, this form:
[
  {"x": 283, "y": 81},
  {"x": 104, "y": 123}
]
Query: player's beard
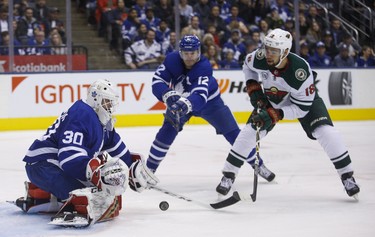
[
  {"x": 190, "y": 63},
  {"x": 272, "y": 64}
]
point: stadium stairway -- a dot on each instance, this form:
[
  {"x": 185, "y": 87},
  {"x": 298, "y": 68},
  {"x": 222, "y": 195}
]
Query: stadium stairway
[{"x": 100, "y": 57}]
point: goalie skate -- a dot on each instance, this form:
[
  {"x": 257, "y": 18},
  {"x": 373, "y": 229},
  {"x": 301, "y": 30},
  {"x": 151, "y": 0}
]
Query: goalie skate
[{"x": 70, "y": 219}]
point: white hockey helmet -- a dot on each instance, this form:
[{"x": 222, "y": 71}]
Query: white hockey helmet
[
  {"x": 103, "y": 97},
  {"x": 279, "y": 39}
]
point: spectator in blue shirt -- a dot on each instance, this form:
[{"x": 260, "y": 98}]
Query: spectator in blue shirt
[
  {"x": 236, "y": 45},
  {"x": 320, "y": 58},
  {"x": 151, "y": 21},
  {"x": 4, "y": 46},
  {"x": 366, "y": 59},
  {"x": 38, "y": 45},
  {"x": 343, "y": 59},
  {"x": 304, "y": 51},
  {"x": 129, "y": 28},
  {"x": 162, "y": 32},
  {"x": 229, "y": 62},
  {"x": 224, "y": 7}
]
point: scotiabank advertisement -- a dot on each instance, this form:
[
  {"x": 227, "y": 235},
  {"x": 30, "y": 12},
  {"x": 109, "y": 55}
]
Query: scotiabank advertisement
[
  {"x": 43, "y": 63},
  {"x": 48, "y": 94}
]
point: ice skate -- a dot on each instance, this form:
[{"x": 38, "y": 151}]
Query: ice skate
[
  {"x": 351, "y": 187},
  {"x": 71, "y": 219},
  {"x": 25, "y": 204},
  {"x": 226, "y": 183},
  {"x": 265, "y": 173}
]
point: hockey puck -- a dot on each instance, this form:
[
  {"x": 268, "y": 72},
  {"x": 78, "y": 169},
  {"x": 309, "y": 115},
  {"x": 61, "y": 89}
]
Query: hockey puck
[{"x": 163, "y": 205}]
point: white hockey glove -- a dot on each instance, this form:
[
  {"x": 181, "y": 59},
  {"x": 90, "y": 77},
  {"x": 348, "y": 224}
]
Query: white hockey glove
[
  {"x": 141, "y": 177},
  {"x": 110, "y": 176}
]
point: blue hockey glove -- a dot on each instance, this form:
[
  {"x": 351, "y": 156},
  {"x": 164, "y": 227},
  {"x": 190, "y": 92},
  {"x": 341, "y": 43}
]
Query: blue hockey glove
[
  {"x": 177, "y": 113},
  {"x": 181, "y": 107},
  {"x": 257, "y": 97},
  {"x": 265, "y": 118},
  {"x": 170, "y": 97}
]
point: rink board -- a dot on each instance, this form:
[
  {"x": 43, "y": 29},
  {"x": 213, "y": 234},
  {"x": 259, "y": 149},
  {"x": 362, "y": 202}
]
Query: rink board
[{"x": 34, "y": 101}]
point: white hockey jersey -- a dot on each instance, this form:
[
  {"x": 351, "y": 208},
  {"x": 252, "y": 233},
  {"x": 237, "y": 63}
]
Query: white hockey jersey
[
  {"x": 291, "y": 89},
  {"x": 140, "y": 51}
]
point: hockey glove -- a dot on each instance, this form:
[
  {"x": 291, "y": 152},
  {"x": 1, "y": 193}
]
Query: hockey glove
[
  {"x": 257, "y": 97},
  {"x": 110, "y": 176},
  {"x": 141, "y": 177},
  {"x": 265, "y": 118},
  {"x": 170, "y": 97},
  {"x": 177, "y": 114}
]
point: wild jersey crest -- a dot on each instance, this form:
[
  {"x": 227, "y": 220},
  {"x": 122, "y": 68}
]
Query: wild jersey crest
[{"x": 275, "y": 95}]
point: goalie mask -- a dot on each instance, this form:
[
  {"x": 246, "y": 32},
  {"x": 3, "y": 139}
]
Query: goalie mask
[
  {"x": 279, "y": 39},
  {"x": 103, "y": 97}
]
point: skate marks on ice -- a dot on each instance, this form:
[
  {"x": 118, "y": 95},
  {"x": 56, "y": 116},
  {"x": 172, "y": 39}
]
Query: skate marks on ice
[{"x": 306, "y": 198}]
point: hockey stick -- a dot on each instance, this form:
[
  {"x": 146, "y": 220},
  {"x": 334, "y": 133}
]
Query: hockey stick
[
  {"x": 174, "y": 124},
  {"x": 218, "y": 205},
  {"x": 256, "y": 165}
]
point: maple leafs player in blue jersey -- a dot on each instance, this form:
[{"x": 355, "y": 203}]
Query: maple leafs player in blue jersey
[
  {"x": 82, "y": 162},
  {"x": 184, "y": 82},
  {"x": 288, "y": 92}
]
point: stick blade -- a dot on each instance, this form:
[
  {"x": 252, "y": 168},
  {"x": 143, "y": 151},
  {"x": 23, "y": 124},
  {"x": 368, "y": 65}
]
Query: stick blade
[{"x": 227, "y": 202}]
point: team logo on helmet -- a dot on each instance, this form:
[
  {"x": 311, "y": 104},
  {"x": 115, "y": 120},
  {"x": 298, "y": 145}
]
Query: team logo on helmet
[
  {"x": 249, "y": 58},
  {"x": 260, "y": 54},
  {"x": 301, "y": 74}
]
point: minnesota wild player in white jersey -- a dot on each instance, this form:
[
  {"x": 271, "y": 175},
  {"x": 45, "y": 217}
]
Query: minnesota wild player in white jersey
[{"x": 288, "y": 92}]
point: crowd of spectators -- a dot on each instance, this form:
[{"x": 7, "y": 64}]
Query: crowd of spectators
[
  {"x": 142, "y": 31},
  {"x": 36, "y": 26},
  {"x": 228, "y": 30}
]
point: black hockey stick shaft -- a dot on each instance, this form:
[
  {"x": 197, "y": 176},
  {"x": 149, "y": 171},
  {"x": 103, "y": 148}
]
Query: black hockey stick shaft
[
  {"x": 175, "y": 124},
  {"x": 256, "y": 165},
  {"x": 218, "y": 205}
]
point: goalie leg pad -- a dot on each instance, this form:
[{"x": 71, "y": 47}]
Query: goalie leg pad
[
  {"x": 37, "y": 200},
  {"x": 93, "y": 203}
]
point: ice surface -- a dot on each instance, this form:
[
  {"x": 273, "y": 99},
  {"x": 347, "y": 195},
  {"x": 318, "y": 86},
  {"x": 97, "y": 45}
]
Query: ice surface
[{"x": 306, "y": 199}]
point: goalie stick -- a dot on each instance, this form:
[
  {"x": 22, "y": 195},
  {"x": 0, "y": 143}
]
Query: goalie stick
[{"x": 218, "y": 205}]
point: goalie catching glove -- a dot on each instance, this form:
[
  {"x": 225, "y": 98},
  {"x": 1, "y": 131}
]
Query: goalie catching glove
[
  {"x": 257, "y": 97},
  {"x": 110, "y": 176},
  {"x": 140, "y": 177}
]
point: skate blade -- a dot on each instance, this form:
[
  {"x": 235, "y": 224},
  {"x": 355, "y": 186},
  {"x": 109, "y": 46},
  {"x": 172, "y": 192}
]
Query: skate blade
[
  {"x": 77, "y": 222},
  {"x": 356, "y": 197}
]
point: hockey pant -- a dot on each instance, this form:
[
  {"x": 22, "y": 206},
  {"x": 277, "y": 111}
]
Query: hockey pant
[{"x": 50, "y": 178}]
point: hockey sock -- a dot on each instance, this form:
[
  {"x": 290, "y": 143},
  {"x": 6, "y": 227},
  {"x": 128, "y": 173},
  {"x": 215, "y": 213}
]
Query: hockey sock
[{"x": 332, "y": 143}]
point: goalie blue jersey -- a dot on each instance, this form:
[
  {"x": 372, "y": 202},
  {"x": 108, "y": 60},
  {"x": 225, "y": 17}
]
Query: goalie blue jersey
[
  {"x": 76, "y": 137},
  {"x": 197, "y": 84}
]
